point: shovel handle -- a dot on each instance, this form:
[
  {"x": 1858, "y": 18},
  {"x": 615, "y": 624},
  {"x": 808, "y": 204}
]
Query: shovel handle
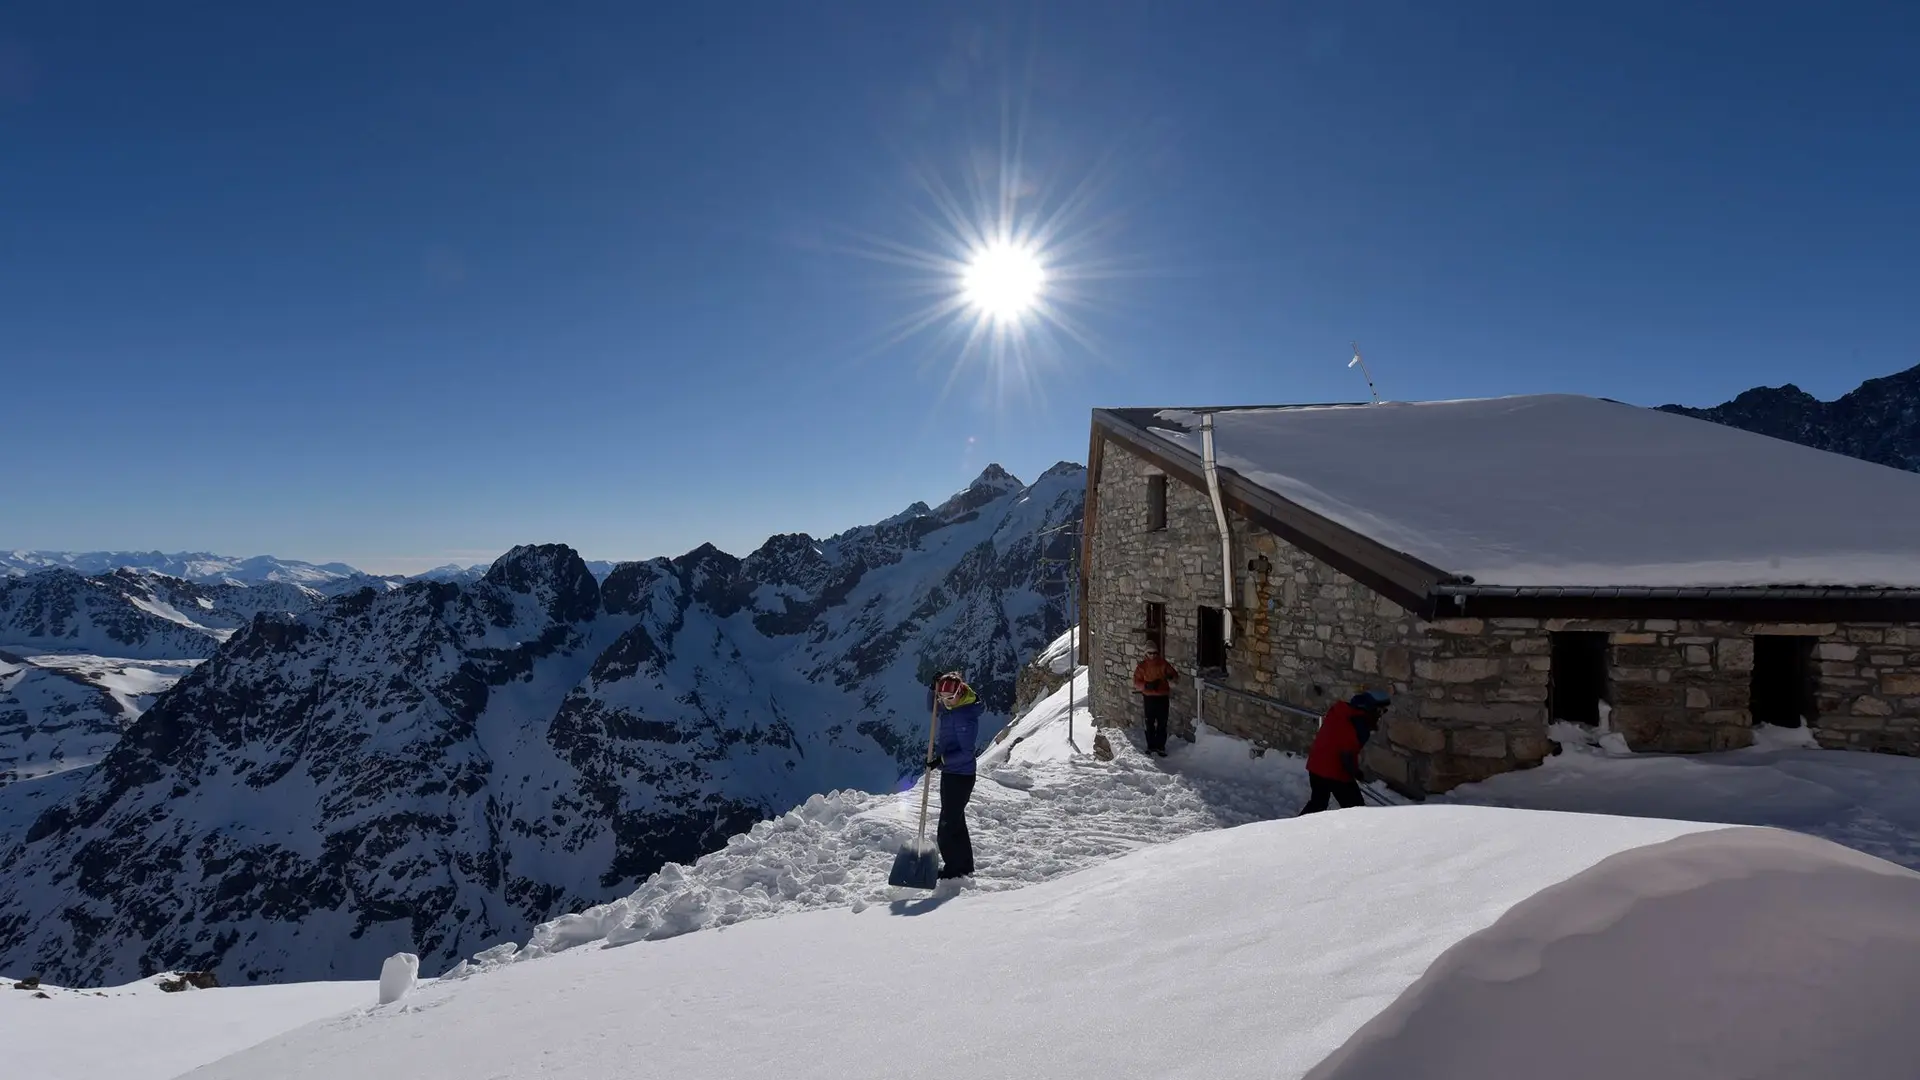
[{"x": 926, "y": 780}]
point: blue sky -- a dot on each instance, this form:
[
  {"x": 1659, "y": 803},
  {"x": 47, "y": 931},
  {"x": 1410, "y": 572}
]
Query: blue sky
[{"x": 399, "y": 285}]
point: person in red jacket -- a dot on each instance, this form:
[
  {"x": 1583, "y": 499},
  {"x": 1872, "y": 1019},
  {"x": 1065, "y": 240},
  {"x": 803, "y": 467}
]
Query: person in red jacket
[{"x": 1333, "y": 764}]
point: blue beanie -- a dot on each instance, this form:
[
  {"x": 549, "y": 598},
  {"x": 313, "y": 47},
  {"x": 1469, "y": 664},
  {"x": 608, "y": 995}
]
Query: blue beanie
[{"x": 1369, "y": 699}]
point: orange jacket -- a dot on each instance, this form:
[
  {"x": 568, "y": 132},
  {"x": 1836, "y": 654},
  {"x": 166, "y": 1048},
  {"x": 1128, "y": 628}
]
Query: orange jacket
[{"x": 1155, "y": 677}]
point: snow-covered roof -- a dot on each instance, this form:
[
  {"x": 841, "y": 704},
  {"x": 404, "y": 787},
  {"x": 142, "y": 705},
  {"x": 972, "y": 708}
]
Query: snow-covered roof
[{"x": 1568, "y": 491}]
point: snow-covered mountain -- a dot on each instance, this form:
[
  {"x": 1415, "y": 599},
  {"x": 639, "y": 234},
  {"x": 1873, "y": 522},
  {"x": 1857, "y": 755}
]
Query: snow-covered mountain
[
  {"x": 81, "y": 657},
  {"x": 440, "y": 767},
  {"x": 128, "y": 613},
  {"x": 199, "y": 567},
  {"x": 65, "y": 711},
  {"x": 203, "y": 568},
  {"x": 1877, "y": 421}
]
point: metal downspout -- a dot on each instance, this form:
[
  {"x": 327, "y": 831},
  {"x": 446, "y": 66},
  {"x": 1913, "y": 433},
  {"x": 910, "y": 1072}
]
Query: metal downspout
[{"x": 1220, "y": 519}]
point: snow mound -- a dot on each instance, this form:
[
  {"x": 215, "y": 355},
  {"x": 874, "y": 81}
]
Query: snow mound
[
  {"x": 1253, "y": 951},
  {"x": 398, "y": 976},
  {"x": 1744, "y": 952}
]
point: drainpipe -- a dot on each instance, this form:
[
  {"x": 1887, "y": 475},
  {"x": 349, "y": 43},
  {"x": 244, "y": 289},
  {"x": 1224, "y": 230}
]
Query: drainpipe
[{"x": 1220, "y": 519}]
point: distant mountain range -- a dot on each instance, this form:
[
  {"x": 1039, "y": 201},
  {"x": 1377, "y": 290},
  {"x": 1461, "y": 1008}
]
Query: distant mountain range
[
  {"x": 1879, "y": 421},
  {"x": 205, "y": 568},
  {"x": 439, "y": 766}
]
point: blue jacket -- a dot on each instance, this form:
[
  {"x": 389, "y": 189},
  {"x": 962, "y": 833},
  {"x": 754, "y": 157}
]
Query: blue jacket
[{"x": 959, "y": 734}]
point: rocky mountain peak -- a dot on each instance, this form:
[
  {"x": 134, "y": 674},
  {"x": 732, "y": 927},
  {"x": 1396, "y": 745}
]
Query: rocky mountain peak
[
  {"x": 991, "y": 484},
  {"x": 788, "y": 559},
  {"x": 1878, "y": 421},
  {"x": 553, "y": 573}
]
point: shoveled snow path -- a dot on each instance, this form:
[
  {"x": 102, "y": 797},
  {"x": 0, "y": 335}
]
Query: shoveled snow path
[{"x": 1048, "y": 812}]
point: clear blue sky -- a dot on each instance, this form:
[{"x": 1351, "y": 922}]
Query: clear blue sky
[{"x": 398, "y": 285}]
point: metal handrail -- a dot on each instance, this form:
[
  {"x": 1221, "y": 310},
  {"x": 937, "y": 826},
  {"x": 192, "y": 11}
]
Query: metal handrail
[
  {"x": 1199, "y": 700},
  {"x": 1200, "y": 687}
]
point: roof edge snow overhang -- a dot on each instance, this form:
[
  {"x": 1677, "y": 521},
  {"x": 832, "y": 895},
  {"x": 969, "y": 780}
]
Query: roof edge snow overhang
[
  {"x": 1400, "y": 577},
  {"x": 1760, "y": 603},
  {"x": 1431, "y": 592}
]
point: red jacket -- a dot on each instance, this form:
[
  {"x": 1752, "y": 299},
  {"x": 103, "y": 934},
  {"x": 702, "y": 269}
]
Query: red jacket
[{"x": 1337, "y": 744}]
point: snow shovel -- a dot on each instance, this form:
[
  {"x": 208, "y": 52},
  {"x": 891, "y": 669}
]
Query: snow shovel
[{"x": 917, "y": 866}]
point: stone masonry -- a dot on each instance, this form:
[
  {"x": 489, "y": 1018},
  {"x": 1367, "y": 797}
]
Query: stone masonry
[{"x": 1471, "y": 695}]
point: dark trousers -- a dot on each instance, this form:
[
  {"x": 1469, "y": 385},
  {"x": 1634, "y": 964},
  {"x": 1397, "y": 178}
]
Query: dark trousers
[
  {"x": 956, "y": 847},
  {"x": 1156, "y": 713},
  {"x": 1346, "y": 791}
]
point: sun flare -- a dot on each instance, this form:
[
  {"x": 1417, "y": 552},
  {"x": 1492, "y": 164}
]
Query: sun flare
[{"x": 1003, "y": 280}]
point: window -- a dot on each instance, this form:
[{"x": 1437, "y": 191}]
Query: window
[
  {"x": 1212, "y": 654},
  {"x": 1156, "y": 503},
  {"x": 1156, "y": 628},
  {"x": 1577, "y": 681},
  {"x": 1785, "y": 680}
]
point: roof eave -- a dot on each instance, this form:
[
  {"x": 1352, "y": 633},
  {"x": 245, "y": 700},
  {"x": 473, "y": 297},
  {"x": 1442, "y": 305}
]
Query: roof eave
[
  {"x": 1396, "y": 575},
  {"x": 1431, "y": 592}
]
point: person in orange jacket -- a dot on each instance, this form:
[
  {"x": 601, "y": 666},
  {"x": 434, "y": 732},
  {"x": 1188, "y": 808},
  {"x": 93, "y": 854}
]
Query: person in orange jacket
[
  {"x": 1333, "y": 763},
  {"x": 1153, "y": 680}
]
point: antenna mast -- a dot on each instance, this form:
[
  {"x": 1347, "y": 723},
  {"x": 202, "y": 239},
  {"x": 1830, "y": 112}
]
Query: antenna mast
[{"x": 1362, "y": 364}]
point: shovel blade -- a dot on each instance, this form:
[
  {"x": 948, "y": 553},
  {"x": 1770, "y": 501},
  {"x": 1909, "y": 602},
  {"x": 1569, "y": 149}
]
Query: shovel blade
[{"x": 915, "y": 867}]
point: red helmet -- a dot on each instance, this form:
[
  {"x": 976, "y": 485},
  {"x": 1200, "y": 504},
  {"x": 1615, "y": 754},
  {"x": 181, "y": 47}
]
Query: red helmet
[{"x": 948, "y": 687}]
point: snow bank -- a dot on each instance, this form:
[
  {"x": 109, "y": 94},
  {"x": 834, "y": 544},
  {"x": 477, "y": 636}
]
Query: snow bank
[
  {"x": 1745, "y": 952},
  {"x": 140, "y": 1032},
  {"x": 1253, "y": 951},
  {"x": 1868, "y": 802},
  {"x": 1060, "y": 653},
  {"x": 1565, "y": 490}
]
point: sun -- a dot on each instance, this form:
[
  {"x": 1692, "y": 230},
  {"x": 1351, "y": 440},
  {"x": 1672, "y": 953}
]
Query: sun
[{"x": 1003, "y": 280}]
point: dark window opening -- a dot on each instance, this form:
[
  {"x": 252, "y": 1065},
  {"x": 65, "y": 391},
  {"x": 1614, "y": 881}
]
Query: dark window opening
[
  {"x": 1212, "y": 654},
  {"x": 1156, "y": 628},
  {"x": 1156, "y": 503},
  {"x": 1785, "y": 680},
  {"x": 1577, "y": 681}
]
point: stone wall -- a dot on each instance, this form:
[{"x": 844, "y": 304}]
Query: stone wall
[
  {"x": 1470, "y": 700},
  {"x": 1869, "y": 691},
  {"x": 1471, "y": 695}
]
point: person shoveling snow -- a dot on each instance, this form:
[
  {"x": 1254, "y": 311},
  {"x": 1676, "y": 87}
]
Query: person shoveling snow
[
  {"x": 1333, "y": 762},
  {"x": 951, "y": 749},
  {"x": 954, "y": 755}
]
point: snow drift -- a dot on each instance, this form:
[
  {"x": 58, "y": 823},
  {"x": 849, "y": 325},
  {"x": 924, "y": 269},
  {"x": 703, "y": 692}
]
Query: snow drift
[
  {"x": 1248, "y": 951},
  {"x": 1754, "y": 953}
]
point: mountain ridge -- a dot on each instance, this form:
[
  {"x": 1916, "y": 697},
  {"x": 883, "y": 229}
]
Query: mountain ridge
[
  {"x": 1877, "y": 421},
  {"x": 440, "y": 766}
]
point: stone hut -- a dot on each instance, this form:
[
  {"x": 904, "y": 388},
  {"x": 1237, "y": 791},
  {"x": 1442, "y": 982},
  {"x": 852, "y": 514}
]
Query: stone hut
[{"x": 1499, "y": 565}]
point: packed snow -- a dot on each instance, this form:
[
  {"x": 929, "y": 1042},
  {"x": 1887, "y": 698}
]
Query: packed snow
[
  {"x": 1255, "y": 951},
  {"x": 1749, "y": 953},
  {"x": 1573, "y": 491},
  {"x": 141, "y": 1032},
  {"x": 1119, "y": 894}
]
